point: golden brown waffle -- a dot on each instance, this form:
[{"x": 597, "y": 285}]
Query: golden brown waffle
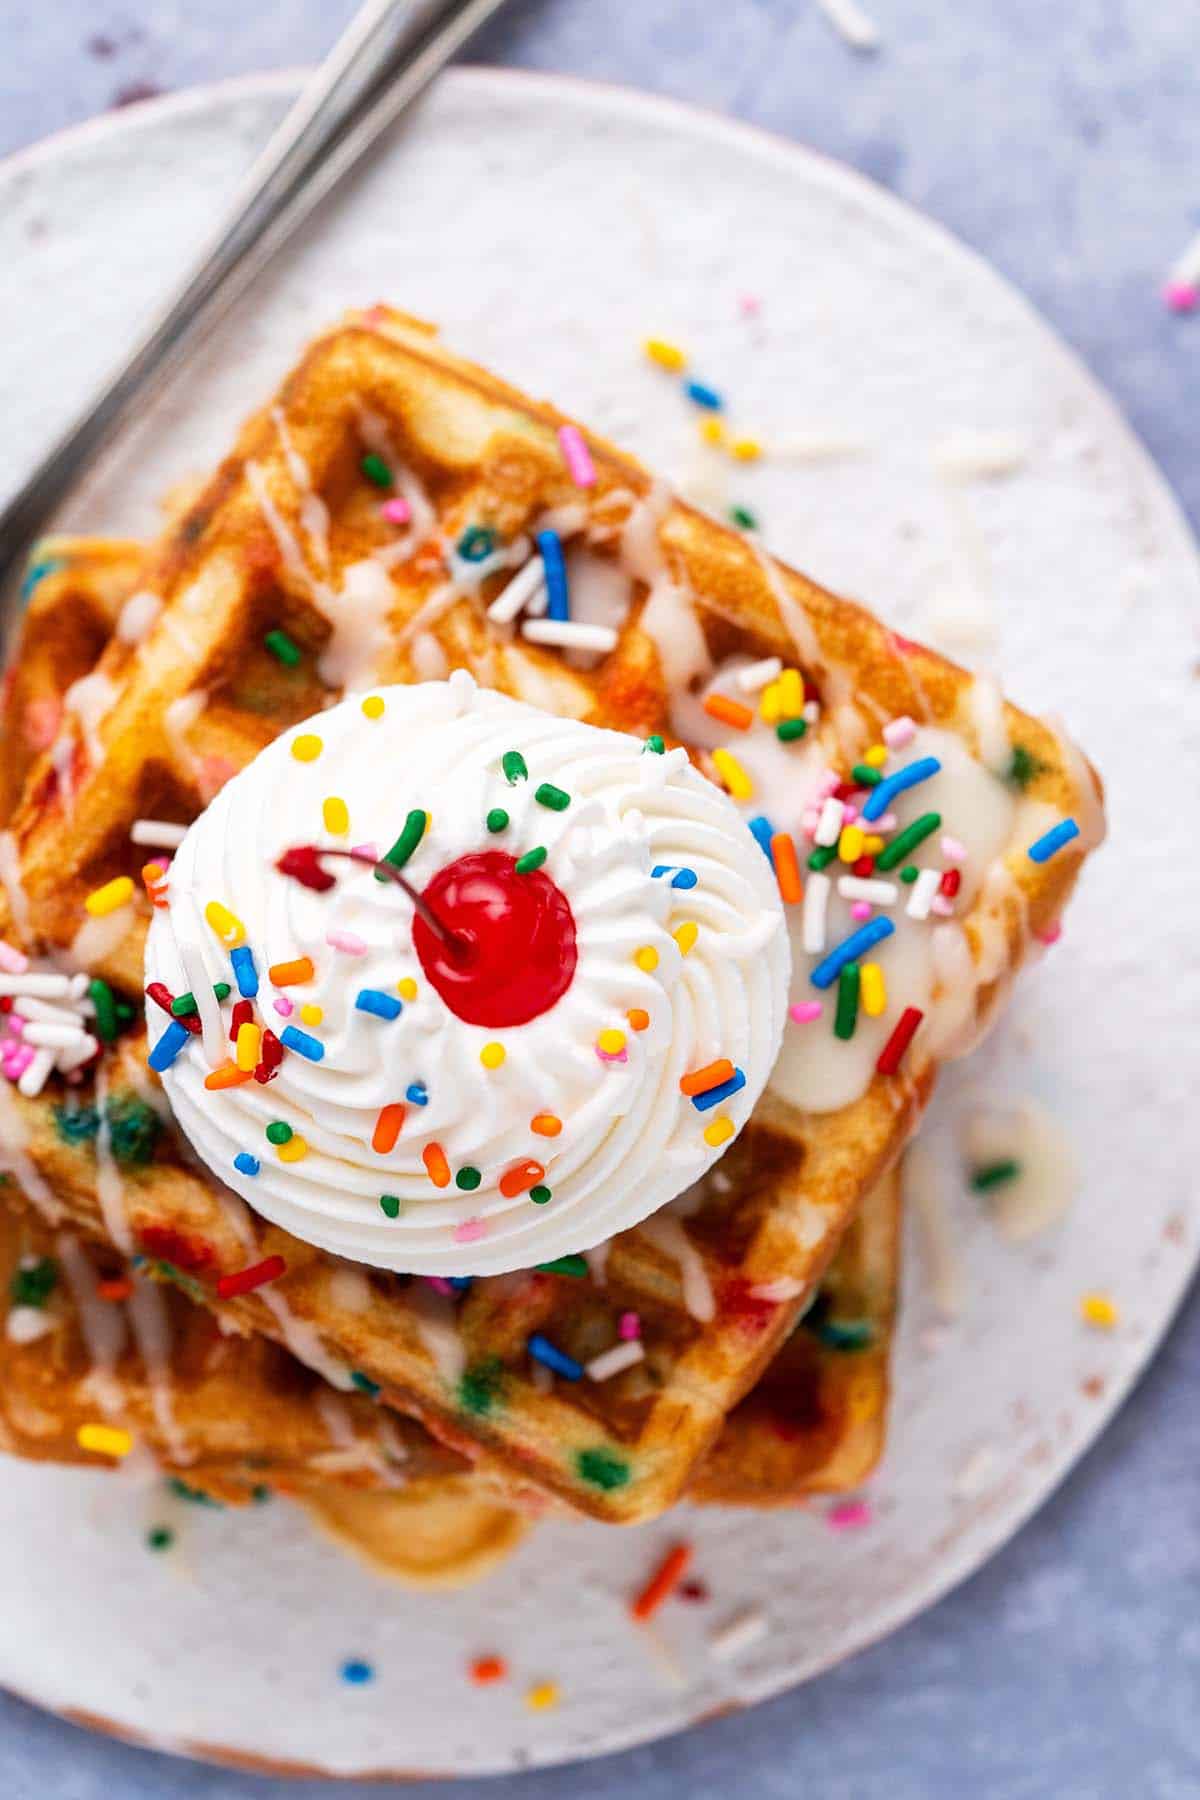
[{"x": 201, "y": 694}]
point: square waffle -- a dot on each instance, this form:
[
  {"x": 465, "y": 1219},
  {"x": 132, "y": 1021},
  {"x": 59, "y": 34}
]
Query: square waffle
[{"x": 288, "y": 544}]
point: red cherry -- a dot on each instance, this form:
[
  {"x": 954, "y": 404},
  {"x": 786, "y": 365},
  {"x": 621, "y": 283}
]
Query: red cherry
[{"x": 515, "y": 950}]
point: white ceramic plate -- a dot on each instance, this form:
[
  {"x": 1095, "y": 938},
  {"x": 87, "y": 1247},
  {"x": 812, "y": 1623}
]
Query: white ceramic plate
[{"x": 550, "y": 226}]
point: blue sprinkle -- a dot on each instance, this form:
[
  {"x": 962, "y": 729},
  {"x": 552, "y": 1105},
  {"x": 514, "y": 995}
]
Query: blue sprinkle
[
  {"x": 881, "y": 797},
  {"x": 1053, "y": 841},
  {"x": 38, "y": 571},
  {"x": 363, "y": 1383},
  {"x": 714, "y": 1096},
  {"x": 302, "y": 1043},
  {"x": 849, "y": 950},
  {"x": 245, "y": 1164},
  {"x": 680, "y": 878},
  {"x": 558, "y": 604},
  {"x": 460, "y": 1283},
  {"x": 703, "y": 396},
  {"x": 244, "y": 971},
  {"x": 476, "y": 543},
  {"x": 417, "y": 1094},
  {"x": 763, "y": 831},
  {"x": 374, "y": 1000},
  {"x": 168, "y": 1047},
  {"x": 356, "y": 1672},
  {"x": 543, "y": 1351}
]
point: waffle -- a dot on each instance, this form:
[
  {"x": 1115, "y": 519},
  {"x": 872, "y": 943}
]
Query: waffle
[{"x": 288, "y": 538}]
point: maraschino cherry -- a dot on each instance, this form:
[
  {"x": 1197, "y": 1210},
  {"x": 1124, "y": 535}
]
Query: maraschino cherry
[{"x": 507, "y": 950}]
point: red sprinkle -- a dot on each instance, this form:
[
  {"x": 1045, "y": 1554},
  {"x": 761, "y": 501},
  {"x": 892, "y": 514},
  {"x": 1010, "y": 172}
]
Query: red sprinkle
[
  {"x": 244, "y": 1281},
  {"x": 270, "y": 1053},
  {"x": 694, "y": 1591},
  {"x": 118, "y": 1288},
  {"x": 243, "y": 1013},
  {"x": 488, "y": 1668},
  {"x": 950, "y": 883},
  {"x": 165, "y": 1244},
  {"x": 901, "y": 1038},
  {"x": 303, "y": 864},
  {"x": 160, "y": 993},
  {"x": 662, "y": 1583},
  {"x": 864, "y": 866}
]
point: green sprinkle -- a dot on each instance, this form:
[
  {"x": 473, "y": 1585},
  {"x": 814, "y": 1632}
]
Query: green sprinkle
[
  {"x": 846, "y": 1017},
  {"x": 482, "y": 1386},
  {"x": 279, "y": 1132},
  {"x": 909, "y": 873},
  {"x": 363, "y": 1383},
  {"x": 553, "y": 797},
  {"x": 821, "y": 857},
  {"x": 468, "y": 1178},
  {"x": 1023, "y": 766},
  {"x": 497, "y": 819},
  {"x": 990, "y": 1175},
  {"x": 908, "y": 839},
  {"x": 532, "y": 859},
  {"x": 476, "y": 543},
  {"x": 104, "y": 1001},
  {"x": 124, "y": 1012},
  {"x": 654, "y": 744},
  {"x": 865, "y": 776},
  {"x": 195, "y": 1496},
  {"x": 185, "y": 1004},
  {"x": 134, "y": 1128},
  {"x": 33, "y": 1286},
  {"x": 788, "y": 730},
  {"x": 743, "y": 518},
  {"x": 406, "y": 843},
  {"x": 221, "y": 989},
  {"x": 514, "y": 767},
  {"x": 283, "y": 648},
  {"x": 564, "y": 1265},
  {"x": 390, "y": 1205},
  {"x": 168, "y": 1271},
  {"x": 376, "y": 470},
  {"x": 260, "y": 1493},
  {"x": 838, "y": 1334},
  {"x": 540, "y": 1195},
  {"x": 159, "y": 1537},
  {"x": 603, "y": 1469}
]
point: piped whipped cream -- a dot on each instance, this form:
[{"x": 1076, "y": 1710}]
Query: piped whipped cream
[{"x": 512, "y": 1145}]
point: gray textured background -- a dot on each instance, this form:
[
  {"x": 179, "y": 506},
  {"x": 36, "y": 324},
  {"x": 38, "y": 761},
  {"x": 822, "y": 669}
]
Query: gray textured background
[{"x": 1060, "y": 141}]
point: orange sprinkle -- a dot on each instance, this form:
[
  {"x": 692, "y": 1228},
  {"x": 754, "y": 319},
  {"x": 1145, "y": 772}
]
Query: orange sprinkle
[
  {"x": 287, "y": 974},
  {"x": 488, "y": 1668},
  {"x": 387, "y": 1127},
  {"x": 119, "y": 1288},
  {"x": 787, "y": 869},
  {"x": 639, "y": 1018},
  {"x": 227, "y": 1075},
  {"x": 729, "y": 712},
  {"x": 154, "y": 881},
  {"x": 662, "y": 1583},
  {"x": 545, "y": 1124},
  {"x": 713, "y": 1074},
  {"x": 520, "y": 1178},
  {"x": 436, "y": 1166}
]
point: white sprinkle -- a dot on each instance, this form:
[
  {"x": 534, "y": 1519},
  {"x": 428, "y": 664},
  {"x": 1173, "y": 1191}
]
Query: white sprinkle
[
  {"x": 25, "y": 1324},
  {"x": 742, "y": 1631},
  {"x": 923, "y": 889},
  {"x": 75, "y": 1059},
  {"x": 1185, "y": 272},
  {"x": 517, "y": 593},
  {"x": 137, "y": 616},
  {"x": 811, "y": 711},
  {"x": 29, "y": 1008},
  {"x": 829, "y": 825},
  {"x": 44, "y": 986},
  {"x": 78, "y": 985},
  {"x": 855, "y": 887},
  {"x": 12, "y": 960},
  {"x": 567, "y": 634},
  {"x": 462, "y": 690},
  {"x": 942, "y": 905},
  {"x": 158, "y": 833},
  {"x": 980, "y": 455},
  {"x": 848, "y": 18},
  {"x": 53, "y": 1037},
  {"x": 898, "y": 732},
  {"x": 34, "y": 1079},
  {"x": 612, "y": 1362},
  {"x": 816, "y": 899},
  {"x": 755, "y": 676}
]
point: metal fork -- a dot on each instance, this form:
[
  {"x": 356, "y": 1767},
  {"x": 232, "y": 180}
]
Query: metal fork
[{"x": 386, "y": 57}]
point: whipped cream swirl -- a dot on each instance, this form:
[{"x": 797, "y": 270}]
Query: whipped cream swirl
[{"x": 685, "y": 969}]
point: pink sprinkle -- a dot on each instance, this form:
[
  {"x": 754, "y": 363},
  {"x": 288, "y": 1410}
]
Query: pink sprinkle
[
  {"x": 887, "y": 823},
  {"x": 366, "y": 852},
  {"x": 470, "y": 1231},
  {"x": 828, "y": 784},
  {"x": 284, "y": 1007},
  {"x": 16, "y": 1024},
  {"x": 809, "y": 822},
  {"x": 629, "y": 1326},
  {"x": 16, "y": 1064},
  {"x": 440, "y": 1285},
  {"x": 898, "y": 732},
  {"x": 942, "y": 905},
  {"x": 849, "y": 1515},
  {"x": 621, "y": 1056},
  {"x": 396, "y": 511},
  {"x": 804, "y": 1011},
  {"x": 861, "y": 909},
  {"x": 953, "y": 850},
  {"x": 42, "y": 720},
  {"x": 11, "y": 959},
  {"x": 1051, "y": 934},
  {"x": 849, "y": 813},
  {"x": 349, "y": 941},
  {"x": 577, "y": 456},
  {"x": 1182, "y": 296},
  {"x": 374, "y": 315},
  {"x": 749, "y": 305}
]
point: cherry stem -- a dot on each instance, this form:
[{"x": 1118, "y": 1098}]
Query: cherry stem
[{"x": 453, "y": 940}]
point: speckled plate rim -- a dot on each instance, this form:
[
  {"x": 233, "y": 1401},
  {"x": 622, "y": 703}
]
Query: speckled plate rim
[{"x": 957, "y": 1563}]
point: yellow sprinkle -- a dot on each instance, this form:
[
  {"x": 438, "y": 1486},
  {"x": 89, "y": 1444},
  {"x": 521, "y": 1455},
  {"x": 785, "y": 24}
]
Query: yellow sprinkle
[
  {"x": 295, "y": 1150},
  {"x": 406, "y": 987},
  {"x": 719, "y": 1132},
  {"x": 791, "y": 693},
  {"x": 227, "y": 925},
  {"x": 336, "y": 815},
  {"x": 646, "y": 958},
  {"x": 249, "y": 1041},
  {"x": 686, "y": 936},
  {"x": 876, "y": 756},
  {"x": 542, "y": 1697},
  {"x": 850, "y": 843},
  {"x": 1098, "y": 1310},
  {"x": 373, "y": 706},
  {"x": 106, "y": 899},
  {"x": 872, "y": 845},
  {"x": 307, "y": 747},
  {"x": 712, "y": 431},
  {"x": 492, "y": 1055},
  {"x": 873, "y": 990},
  {"x": 104, "y": 1440},
  {"x": 863, "y": 1399},
  {"x": 770, "y": 705},
  {"x": 733, "y": 775},
  {"x": 311, "y": 1014},
  {"x": 667, "y": 356},
  {"x": 745, "y": 449},
  {"x": 611, "y": 1042}
]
